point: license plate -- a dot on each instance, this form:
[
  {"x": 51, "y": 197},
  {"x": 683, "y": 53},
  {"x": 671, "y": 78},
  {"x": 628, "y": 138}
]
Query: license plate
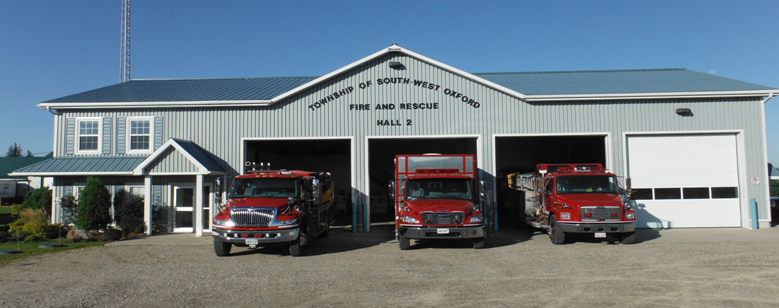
[
  {"x": 600, "y": 234},
  {"x": 252, "y": 242},
  {"x": 443, "y": 231}
]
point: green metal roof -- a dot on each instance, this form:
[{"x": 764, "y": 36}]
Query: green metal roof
[
  {"x": 9, "y": 164},
  {"x": 172, "y": 90},
  {"x": 528, "y": 83},
  {"x": 617, "y": 81},
  {"x": 84, "y": 165},
  {"x": 204, "y": 157}
]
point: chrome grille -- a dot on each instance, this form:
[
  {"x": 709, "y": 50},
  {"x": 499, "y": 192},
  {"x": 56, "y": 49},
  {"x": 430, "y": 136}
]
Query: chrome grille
[
  {"x": 442, "y": 218},
  {"x": 251, "y": 216},
  {"x": 600, "y": 213}
]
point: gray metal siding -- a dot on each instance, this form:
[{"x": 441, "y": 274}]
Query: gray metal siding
[
  {"x": 219, "y": 130},
  {"x": 172, "y": 161}
]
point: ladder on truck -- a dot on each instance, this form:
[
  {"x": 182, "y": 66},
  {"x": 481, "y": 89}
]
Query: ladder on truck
[{"x": 523, "y": 181}]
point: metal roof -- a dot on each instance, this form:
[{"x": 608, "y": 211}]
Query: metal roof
[
  {"x": 9, "y": 164},
  {"x": 617, "y": 81},
  {"x": 527, "y": 83},
  {"x": 172, "y": 90},
  {"x": 83, "y": 164},
  {"x": 201, "y": 155}
]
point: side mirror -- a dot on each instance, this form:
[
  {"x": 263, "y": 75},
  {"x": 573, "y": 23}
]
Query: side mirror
[
  {"x": 482, "y": 189},
  {"x": 628, "y": 185},
  {"x": 392, "y": 189}
]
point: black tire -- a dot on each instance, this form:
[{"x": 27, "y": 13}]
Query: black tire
[
  {"x": 557, "y": 236},
  {"x": 294, "y": 248},
  {"x": 405, "y": 243},
  {"x": 222, "y": 248},
  {"x": 325, "y": 233},
  {"x": 628, "y": 238},
  {"x": 478, "y": 243}
]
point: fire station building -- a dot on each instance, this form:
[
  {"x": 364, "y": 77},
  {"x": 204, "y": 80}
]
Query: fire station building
[{"x": 694, "y": 144}]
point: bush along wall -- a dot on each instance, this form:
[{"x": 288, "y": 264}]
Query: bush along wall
[{"x": 94, "y": 206}]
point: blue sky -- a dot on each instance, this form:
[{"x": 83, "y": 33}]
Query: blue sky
[{"x": 50, "y": 49}]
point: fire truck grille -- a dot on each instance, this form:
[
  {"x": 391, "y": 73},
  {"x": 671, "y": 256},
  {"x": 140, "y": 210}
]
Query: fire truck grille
[
  {"x": 442, "y": 218},
  {"x": 251, "y": 216},
  {"x": 600, "y": 213}
]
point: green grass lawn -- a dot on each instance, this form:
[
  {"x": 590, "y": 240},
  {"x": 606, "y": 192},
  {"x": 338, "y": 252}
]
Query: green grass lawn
[
  {"x": 31, "y": 248},
  {"x": 5, "y": 210}
]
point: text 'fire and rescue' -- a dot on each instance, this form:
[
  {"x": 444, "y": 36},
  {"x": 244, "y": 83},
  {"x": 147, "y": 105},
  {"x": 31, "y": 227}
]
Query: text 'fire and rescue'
[{"x": 394, "y": 80}]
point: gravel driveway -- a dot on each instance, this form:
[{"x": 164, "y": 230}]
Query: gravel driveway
[{"x": 518, "y": 268}]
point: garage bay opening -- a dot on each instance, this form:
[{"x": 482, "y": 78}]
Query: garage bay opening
[
  {"x": 331, "y": 155},
  {"x": 521, "y": 154},
  {"x": 381, "y": 165}
]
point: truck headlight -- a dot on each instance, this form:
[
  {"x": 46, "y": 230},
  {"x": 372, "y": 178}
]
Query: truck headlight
[
  {"x": 409, "y": 219},
  {"x": 476, "y": 219},
  {"x": 630, "y": 215},
  {"x": 565, "y": 216},
  {"x": 226, "y": 223},
  {"x": 288, "y": 221}
]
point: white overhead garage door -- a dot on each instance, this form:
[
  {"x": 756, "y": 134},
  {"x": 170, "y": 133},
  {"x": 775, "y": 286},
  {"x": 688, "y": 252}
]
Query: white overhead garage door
[{"x": 685, "y": 181}]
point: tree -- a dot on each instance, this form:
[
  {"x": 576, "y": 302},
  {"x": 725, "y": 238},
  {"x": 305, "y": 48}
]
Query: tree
[
  {"x": 29, "y": 154},
  {"x": 39, "y": 199},
  {"x": 128, "y": 210},
  {"x": 774, "y": 188},
  {"x": 14, "y": 150},
  {"x": 94, "y": 206}
]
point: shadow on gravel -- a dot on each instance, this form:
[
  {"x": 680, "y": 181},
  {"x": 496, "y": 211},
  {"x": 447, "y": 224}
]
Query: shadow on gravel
[{"x": 341, "y": 239}]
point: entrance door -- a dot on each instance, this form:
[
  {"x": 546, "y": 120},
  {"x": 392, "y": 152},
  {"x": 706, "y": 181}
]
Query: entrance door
[{"x": 184, "y": 202}]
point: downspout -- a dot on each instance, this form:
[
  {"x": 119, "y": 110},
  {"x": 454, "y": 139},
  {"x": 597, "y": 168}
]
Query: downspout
[
  {"x": 765, "y": 158},
  {"x": 52, "y": 111}
]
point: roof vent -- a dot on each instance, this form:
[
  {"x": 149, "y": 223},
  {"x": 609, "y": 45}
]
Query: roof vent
[{"x": 396, "y": 65}]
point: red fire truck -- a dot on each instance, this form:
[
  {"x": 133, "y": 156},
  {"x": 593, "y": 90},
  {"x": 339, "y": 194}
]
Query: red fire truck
[
  {"x": 575, "y": 198},
  {"x": 437, "y": 197},
  {"x": 271, "y": 207}
]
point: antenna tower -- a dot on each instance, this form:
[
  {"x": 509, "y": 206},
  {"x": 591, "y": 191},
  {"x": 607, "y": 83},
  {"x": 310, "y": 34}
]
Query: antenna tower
[{"x": 124, "y": 53}]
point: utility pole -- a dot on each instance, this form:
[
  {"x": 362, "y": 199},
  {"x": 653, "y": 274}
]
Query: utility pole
[{"x": 124, "y": 53}]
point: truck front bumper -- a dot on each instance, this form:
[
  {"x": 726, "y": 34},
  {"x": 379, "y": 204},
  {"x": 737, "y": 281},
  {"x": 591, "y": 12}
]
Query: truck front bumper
[
  {"x": 420, "y": 233},
  {"x": 262, "y": 237},
  {"x": 595, "y": 228}
]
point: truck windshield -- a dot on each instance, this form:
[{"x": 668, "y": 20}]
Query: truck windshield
[
  {"x": 586, "y": 184},
  {"x": 264, "y": 188},
  {"x": 439, "y": 189}
]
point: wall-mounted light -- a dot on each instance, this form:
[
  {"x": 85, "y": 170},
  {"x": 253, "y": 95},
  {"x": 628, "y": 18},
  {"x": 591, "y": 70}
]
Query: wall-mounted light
[
  {"x": 395, "y": 64},
  {"x": 684, "y": 111}
]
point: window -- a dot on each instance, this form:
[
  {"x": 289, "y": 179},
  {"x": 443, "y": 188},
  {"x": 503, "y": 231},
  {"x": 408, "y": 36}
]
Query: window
[
  {"x": 668, "y": 193},
  {"x": 139, "y": 135},
  {"x": 136, "y": 191},
  {"x": 77, "y": 188},
  {"x": 724, "y": 192},
  {"x": 88, "y": 135},
  {"x": 696, "y": 193},
  {"x": 641, "y": 194}
]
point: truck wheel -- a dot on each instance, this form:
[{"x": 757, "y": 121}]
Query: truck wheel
[
  {"x": 628, "y": 238},
  {"x": 557, "y": 236},
  {"x": 222, "y": 248},
  {"x": 294, "y": 248},
  {"x": 405, "y": 243},
  {"x": 478, "y": 243}
]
